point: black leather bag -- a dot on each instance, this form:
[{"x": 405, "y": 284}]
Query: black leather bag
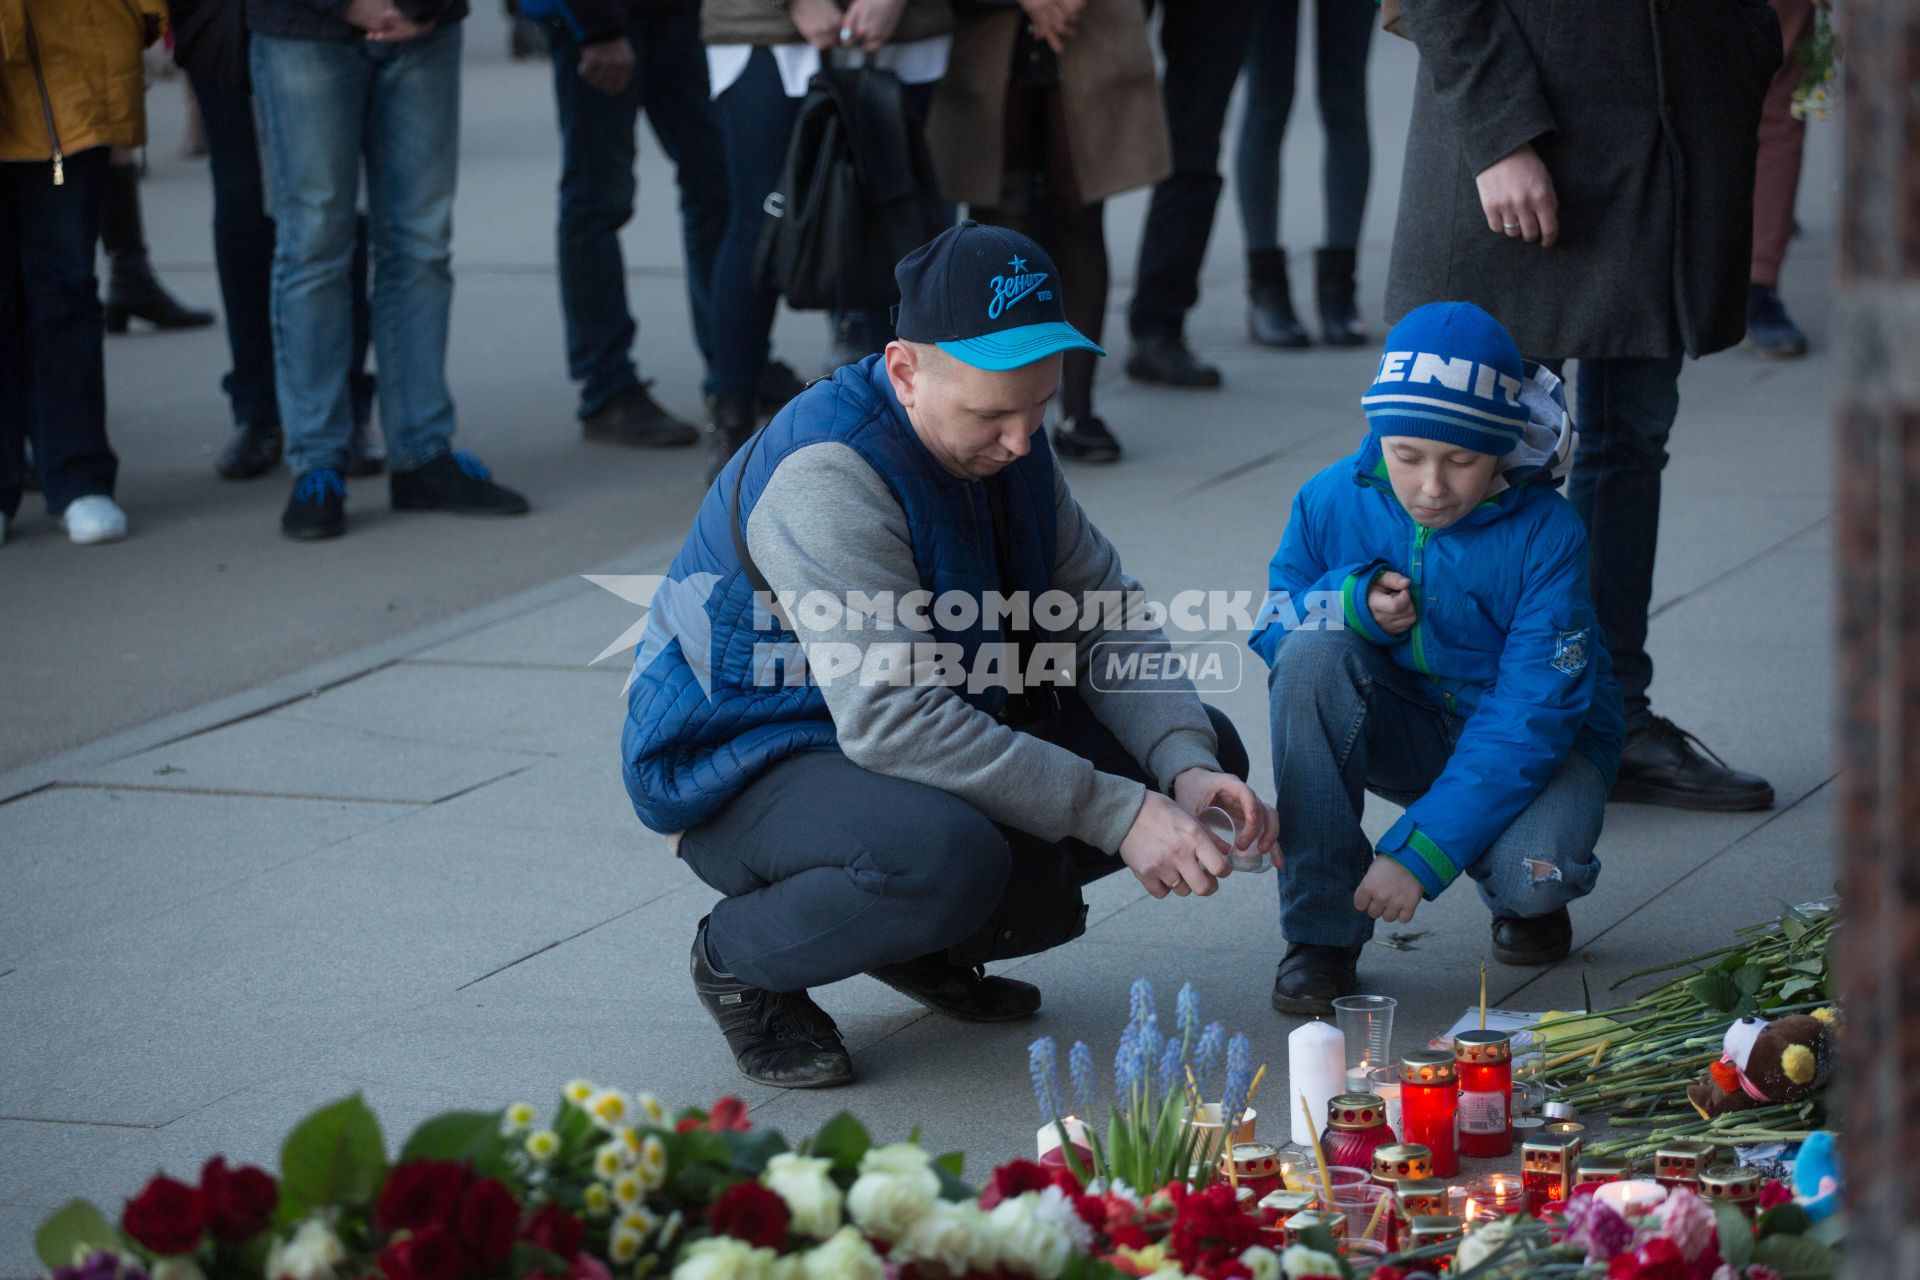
[{"x": 856, "y": 194}]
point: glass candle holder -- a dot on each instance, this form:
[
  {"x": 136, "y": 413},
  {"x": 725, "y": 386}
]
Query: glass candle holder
[
  {"x": 1430, "y": 1107},
  {"x": 1367, "y": 1023},
  {"x": 1297, "y": 1170},
  {"x": 1547, "y": 1166},
  {"x": 1483, "y": 1061},
  {"x": 1496, "y": 1195},
  {"x": 1385, "y": 1083},
  {"x": 1356, "y": 1127}
]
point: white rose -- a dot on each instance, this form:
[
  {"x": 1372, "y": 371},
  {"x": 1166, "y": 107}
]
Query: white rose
[
  {"x": 724, "y": 1258},
  {"x": 312, "y": 1254},
  {"x": 1028, "y": 1242},
  {"x": 1300, "y": 1262},
  {"x": 844, "y": 1257},
  {"x": 885, "y": 1204},
  {"x": 180, "y": 1268},
  {"x": 811, "y": 1196},
  {"x": 1480, "y": 1245},
  {"x": 943, "y": 1237},
  {"x": 1263, "y": 1263},
  {"x": 899, "y": 1158}
]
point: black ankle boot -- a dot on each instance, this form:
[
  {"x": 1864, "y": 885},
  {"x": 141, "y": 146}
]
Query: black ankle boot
[
  {"x": 132, "y": 288},
  {"x": 732, "y": 425},
  {"x": 1271, "y": 321},
  {"x": 1312, "y": 977},
  {"x": 253, "y": 451},
  {"x": 781, "y": 1039},
  {"x": 1333, "y": 293},
  {"x": 1533, "y": 939}
]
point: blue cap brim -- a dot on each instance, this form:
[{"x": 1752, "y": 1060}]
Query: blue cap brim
[{"x": 1015, "y": 348}]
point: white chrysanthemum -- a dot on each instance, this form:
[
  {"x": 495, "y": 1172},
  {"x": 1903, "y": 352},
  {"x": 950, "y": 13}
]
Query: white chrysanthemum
[
  {"x": 638, "y": 1220},
  {"x": 1262, "y": 1263},
  {"x": 810, "y": 1195},
  {"x": 610, "y": 1161},
  {"x": 1054, "y": 1207},
  {"x": 650, "y": 1108},
  {"x": 516, "y": 1120},
  {"x": 846, "y": 1256},
  {"x": 609, "y": 1109},
  {"x": 624, "y": 1246},
  {"x": 596, "y": 1201},
  {"x": 314, "y": 1253},
  {"x": 578, "y": 1091},
  {"x": 1300, "y": 1263},
  {"x": 653, "y": 1161},
  {"x": 543, "y": 1145},
  {"x": 670, "y": 1229},
  {"x": 628, "y": 1190}
]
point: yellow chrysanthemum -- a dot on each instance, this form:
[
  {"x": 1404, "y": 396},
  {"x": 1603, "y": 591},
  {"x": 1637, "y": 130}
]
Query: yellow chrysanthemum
[
  {"x": 596, "y": 1200},
  {"x": 650, "y": 1108},
  {"x": 628, "y": 1190},
  {"x": 543, "y": 1145},
  {"x": 610, "y": 1161},
  {"x": 578, "y": 1091},
  {"x": 624, "y": 1246},
  {"x": 517, "y": 1119},
  {"x": 609, "y": 1108}
]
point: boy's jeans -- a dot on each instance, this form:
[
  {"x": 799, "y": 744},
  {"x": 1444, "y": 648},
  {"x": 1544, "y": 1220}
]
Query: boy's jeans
[
  {"x": 1347, "y": 720},
  {"x": 326, "y": 107}
]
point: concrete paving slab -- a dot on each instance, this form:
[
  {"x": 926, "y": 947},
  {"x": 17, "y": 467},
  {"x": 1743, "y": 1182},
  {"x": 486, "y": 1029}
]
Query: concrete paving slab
[
  {"x": 568, "y": 634},
  {"x": 527, "y": 709}
]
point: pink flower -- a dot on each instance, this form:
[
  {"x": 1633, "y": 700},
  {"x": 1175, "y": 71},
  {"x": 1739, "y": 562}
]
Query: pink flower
[
  {"x": 1688, "y": 1221},
  {"x": 1598, "y": 1229},
  {"x": 1773, "y": 1192}
]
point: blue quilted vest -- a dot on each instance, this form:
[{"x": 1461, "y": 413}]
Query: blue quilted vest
[{"x": 700, "y": 726}]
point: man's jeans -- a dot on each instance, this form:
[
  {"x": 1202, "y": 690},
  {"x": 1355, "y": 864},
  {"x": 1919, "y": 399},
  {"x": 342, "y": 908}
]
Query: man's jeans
[
  {"x": 1625, "y": 411},
  {"x": 326, "y": 108},
  {"x": 53, "y": 388},
  {"x": 1348, "y": 720},
  {"x": 597, "y": 190}
]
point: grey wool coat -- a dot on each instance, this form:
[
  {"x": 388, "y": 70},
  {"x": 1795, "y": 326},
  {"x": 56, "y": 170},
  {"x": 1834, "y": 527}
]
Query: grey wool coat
[{"x": 1645, "y": 113}]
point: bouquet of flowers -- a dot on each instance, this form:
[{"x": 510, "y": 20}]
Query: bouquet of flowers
[{"x": 1818, "y": 57}]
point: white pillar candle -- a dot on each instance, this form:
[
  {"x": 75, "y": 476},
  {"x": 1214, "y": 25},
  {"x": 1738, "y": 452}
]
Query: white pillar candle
[{"x": 1317, "y": 1067}]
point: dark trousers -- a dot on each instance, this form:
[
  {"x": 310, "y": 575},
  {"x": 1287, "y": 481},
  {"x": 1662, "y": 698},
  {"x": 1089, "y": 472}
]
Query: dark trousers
[
  {"x": 832, "y": 870},
  {"x": 597, "y": 190},
  {"x": 1203, "y": 45},
  {"x": 243, "y": 257},
  {"x": 53, "y": 385},
  {"x": 1625, "y": 411}
]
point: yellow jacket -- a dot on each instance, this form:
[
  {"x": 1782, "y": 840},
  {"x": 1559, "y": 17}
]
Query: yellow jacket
[{"x": 70, "y": 75}]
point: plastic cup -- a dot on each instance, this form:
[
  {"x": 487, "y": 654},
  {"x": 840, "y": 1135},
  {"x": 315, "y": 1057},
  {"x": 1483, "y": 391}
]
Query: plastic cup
[
  {"x": 1358, "y": 1204},
  {"x": 1367, "y": 1023},
  {"x": 1220, "y": 824}
]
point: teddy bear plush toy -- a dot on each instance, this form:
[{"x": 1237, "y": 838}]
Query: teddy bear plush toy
[{"x": 1785, "y": 1060}]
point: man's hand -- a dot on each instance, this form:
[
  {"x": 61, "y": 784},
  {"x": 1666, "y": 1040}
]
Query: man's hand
[
  {"x": 1389, "y": 892},
  {"x": 1170, "y": 852},
  {"x": 1258, "y": 826},
  {"x": 607, "y": 65},
  {"x": 1516, "y": 193},
  {"x": 1390, "y": 602},
  {"x": 817, "y": 21},
  {"x": 383, "y": 23},
  {"x": 870, "y": 24},
  {"x": 1054, "y": 21}
]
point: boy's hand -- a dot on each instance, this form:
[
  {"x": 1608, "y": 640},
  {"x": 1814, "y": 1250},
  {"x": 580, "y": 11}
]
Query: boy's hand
[
  {"x": 1389, "y": 892},
  {"x": 1390, "y": 602}
]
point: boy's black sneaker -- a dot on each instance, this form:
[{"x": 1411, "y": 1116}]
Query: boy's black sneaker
[
  {"x": 1312, "y": 977},
  {"x": 636, "y": 418},
  {"x": 1085, "y": 440},
  {"x": 960, "y": 991},
  {"x": 1533, "y": 939},
  {"x": 1664, "y": 764},
  {"x": 456, "y": 482},
  {"x": 782, "y": 1039},
  {"x": 317, "y": 508}
]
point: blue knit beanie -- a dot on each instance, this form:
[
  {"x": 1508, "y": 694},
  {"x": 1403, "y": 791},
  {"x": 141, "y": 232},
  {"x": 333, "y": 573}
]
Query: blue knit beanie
[{"x": 1450, "y": 373}]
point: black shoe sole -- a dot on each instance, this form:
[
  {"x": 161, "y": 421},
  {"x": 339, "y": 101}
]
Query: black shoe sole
[
  {"x": 957, "y": 1015},
  {"x": 313, "y": 535},
  {"x": 1531, "y": 959},
  {"x": 1302, "y": 1006},
  {"x": 1153, "y": 378},
  {"x": 1625, "y": 792},
  {"x": 829, "y": 1082},
  {"x": 674, "y": 441}
]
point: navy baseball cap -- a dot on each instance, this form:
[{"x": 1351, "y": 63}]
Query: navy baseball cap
[{"x": 986, "y": 296}]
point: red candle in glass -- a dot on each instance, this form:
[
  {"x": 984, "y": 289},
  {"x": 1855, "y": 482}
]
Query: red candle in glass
[
  {"x": 1356, "y": 1126},
  {"x": 1483, "y": 1060},
  {"x": 1430, "y": 1107}
]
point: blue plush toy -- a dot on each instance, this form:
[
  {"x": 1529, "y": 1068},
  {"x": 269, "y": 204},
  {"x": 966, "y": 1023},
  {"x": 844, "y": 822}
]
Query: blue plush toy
[{"x": 1816, "y": 1176}]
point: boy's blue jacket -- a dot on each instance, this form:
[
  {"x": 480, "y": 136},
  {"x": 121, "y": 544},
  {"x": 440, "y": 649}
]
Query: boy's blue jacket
[{"x": 1505, "y": 636}]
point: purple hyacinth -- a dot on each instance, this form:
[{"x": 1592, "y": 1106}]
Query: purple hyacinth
[
  {"x": 1239, "y": 1076},
  {"x": 1044, "y": 1065},
  {"x": 1186, "y": 1016},
  {"x": 1140, "y": 1003},
  {"x": 1127, "y": 1068},
  {"x": 1206, "y": 1055},
  {"x": 1168, "y": 1070},
  {"x": 1080, "y": 1067}
]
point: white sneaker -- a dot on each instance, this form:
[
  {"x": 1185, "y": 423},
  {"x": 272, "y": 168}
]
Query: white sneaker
[{"x": 94, "y": 518}]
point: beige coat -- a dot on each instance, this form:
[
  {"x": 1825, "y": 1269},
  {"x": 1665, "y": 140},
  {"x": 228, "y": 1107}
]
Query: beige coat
[{"x": 1114, "y": 110}]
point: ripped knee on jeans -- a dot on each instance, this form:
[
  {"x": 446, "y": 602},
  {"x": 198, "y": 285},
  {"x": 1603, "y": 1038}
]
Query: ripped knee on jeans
[{"x": 1542, "y": 870}]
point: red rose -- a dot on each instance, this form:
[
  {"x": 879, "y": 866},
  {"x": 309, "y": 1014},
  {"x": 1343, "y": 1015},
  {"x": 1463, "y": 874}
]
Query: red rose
[
  {"x": 167, "y": 1217},
  {"x": 729, "y": 1113},
  {"x": 1210, "y": 1227},
  {"x": 428, "y": 1254},
  {"x": 486, "y": 1223},
  {"x": 1014, "y": 1178},
  {"x": 555, "y": 1230},
  {"x": 748, "y": 1211},
  {"x": 1657, "y": 1259},
  {"x": 1773, "y": 1192},
  {"x": 420, "y": 1194},
  {"x": 240, "y": 1202}
]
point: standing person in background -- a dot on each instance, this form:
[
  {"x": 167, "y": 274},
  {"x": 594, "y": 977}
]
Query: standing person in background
[
  {"x": 1639, "y": 122},
  {"x": 133, "y": 290},
  {"x": 375, "y": 82},
  {"x": 1342, "y": 38},
  {"x": 1776, "y": 183},
  {"x": 1050, "y": 107},
  {"x": 760, "y": 56},
  {"x": 71, "y": 89},
  {"x": 1203, "y": 48},
  {"x": 611, "y": 58},
  {"x": 210, "y": 44}
]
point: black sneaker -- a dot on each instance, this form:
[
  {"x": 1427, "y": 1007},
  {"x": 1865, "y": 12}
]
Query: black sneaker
[
  {"x": 1533, "y": 939},
  {"x": 636, "y": 418},
  {"x": 780, "y": 1039},
  {"x": 456, "y": 482},
  {"x": 1164, "y": 359},
  {"x": 317, "y": 507},
  {"x": 960, "y": 991},
  {"x": 1770, "y": 330},
  {"x": 778, "y": 384},
  {"x": 1085, "y": 440},
  {"x": 253, "y": 451},
  {"x": 1312, "y": 977},
  {"x": 1664, "y": 764}
]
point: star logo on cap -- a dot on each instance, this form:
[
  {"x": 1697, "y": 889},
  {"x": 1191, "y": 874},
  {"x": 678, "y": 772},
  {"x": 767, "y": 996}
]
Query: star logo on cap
[{"x": 1018, "y": 264}]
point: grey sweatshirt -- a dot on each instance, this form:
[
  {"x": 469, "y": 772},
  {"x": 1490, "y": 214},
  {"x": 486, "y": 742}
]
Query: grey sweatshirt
[{"x": 827, "y": 522}]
